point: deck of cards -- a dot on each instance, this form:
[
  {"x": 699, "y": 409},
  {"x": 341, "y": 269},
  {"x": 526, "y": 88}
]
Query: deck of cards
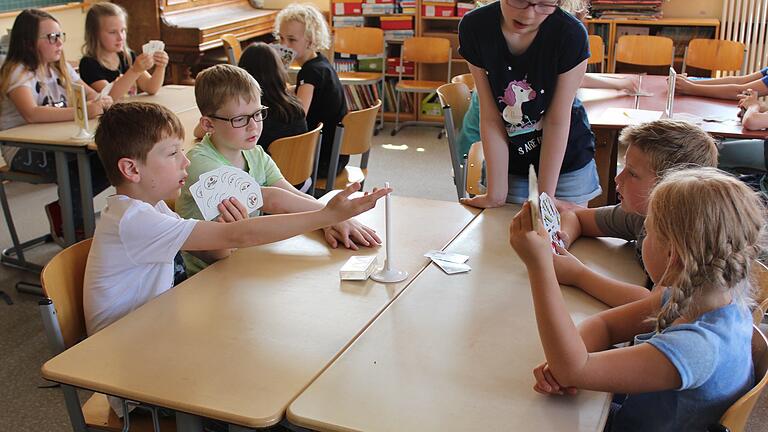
[
  {"x": 358, "y": 267},
  {"x": 287, "y": 55},
  {"x": 543, "y": 208},
  {"x": 225, "y": 182},
  {"x": 152, "y": 46},
  {"x": 449, "y": 262}
]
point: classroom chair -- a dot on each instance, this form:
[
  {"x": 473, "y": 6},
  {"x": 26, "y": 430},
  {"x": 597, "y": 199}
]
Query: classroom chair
[
  {"x": 353, "y": 136},
  {"x": 474, "y": 171},
  {"x": 14, "y": 256},
  {"x": 297, "y": 156},
  {"x": 596, "y": 52},
  {"x": 232, "y": 48},
  {"x": 454, "y": 98},
  {"x": 735, "y": 418},
  {"x": 64, "y": 324},
  {"x": 467, "y": 79},
  {"x": 715, "y": 55},
  {"x": 639, "y": 50},
  {"x": 363, "y": 41},
  {"x": 422, "y": 50}
]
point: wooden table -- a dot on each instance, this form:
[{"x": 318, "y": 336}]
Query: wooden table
[
  {"x": 686, "y": 108},
  {"x": 456, "y": 353},
  {"x": 241, "y": 339},
  {"x": 57, "y": 138}
]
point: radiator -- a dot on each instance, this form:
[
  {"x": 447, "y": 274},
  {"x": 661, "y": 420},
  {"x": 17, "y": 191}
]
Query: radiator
[{"x": 746, "y": 21}]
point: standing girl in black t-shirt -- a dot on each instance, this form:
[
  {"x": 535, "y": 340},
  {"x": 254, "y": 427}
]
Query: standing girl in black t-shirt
[
  {"x": 302, "y": 28},
  {"x": 528, "y": 59},
  {"x": 107, "y": 59}
]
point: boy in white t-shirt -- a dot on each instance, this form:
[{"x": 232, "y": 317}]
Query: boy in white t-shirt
[{"x": 138, "y": 236}]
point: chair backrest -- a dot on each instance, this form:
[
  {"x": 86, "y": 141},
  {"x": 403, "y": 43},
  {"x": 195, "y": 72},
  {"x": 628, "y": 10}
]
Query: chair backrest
[
  {"x": 474, "y": 169},
  {"x": 62, "y": 280},
  {"x": 645, "y": 50},
  {"x": 358, "y": 130},
  {"x": 296, "y": 155},
  {"x": 467, "y": 79},
  {"x": 455, "y": 95},
  {"x": 358, "y": 40},
  {"x": 735, "y": 418},
  {"x": 759, "y": 279},
  {"x": 427, "y": 50},
  {"x": 714, "y": 55},
  {"x": 232, "y": 47},
  {"x": 596, "y": 50}
]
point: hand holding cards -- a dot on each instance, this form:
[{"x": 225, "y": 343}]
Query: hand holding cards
[
  {"x": 287, "y": 55},
  {"x": 543, "y": 209},
  {"x": 225, "y": 182},
  {"x": 152, "y": 46}
]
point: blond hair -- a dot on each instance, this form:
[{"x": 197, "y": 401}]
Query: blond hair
[
  {"x": 92, "y": 45},
  {"x": 221, "y": 83},
  {"x": 671, "y": 143},
  {"x": 723, "y": 223},
  {"x": 575, "y": 7},
  {"x": 315, "y": 27}
]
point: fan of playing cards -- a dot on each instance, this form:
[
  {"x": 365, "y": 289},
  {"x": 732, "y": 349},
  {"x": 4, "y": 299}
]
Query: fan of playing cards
[
  {"x": 222, "y": 183},
  {"x": 543, "y": 208},
  {"x": 286, "y": 54},
  {"x": 152, "y": 46}
]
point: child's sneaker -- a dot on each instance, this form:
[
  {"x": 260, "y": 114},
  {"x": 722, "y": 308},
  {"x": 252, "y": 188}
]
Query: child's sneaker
[{"x": 53, "y": 210}]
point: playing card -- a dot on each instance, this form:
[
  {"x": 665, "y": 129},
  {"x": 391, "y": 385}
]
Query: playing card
[
  {"x": 533, "y": 196},
  {"x": 447, "y": 256},
  {"x": 451, "y": 268},
  {"x": 225, "y": 182},
  {"x": 105, "y": 91},
  {"x": 152, "y": 46},
  {"x": 287, "y": 55},
  {"x": 550, "y": 217}
]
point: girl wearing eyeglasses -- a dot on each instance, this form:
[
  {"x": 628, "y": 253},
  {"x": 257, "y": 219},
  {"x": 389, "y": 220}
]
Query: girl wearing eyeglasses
[
  {"x": 528, "y": 58},
  {"x": 107, "y": 58},
  {"x": 35, "y": 87}
]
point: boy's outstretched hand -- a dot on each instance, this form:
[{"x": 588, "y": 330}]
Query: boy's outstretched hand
[
  {"x": 532, "y": 246},
  {"x": 343, "y": 208}
]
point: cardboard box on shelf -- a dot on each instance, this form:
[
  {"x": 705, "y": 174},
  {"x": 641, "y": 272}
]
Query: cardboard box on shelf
[{"x": 430, "y": 9}]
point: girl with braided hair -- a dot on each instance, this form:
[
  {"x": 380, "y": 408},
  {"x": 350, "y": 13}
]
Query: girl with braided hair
[{"x": 691, "y": 358}]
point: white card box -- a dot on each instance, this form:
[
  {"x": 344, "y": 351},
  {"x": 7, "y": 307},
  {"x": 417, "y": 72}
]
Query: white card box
[{"x": 358, "y": 267}]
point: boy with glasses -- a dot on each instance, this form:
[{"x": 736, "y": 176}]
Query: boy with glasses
[{"x": 229, "y": 99}]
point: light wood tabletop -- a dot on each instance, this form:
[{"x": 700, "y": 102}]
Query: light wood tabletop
[
  {"x": 241, "y": 339},
  {"x": 177, "y": 98},
  {"x": 189, "y": 119},
  {"x": 456, "y": 353}
]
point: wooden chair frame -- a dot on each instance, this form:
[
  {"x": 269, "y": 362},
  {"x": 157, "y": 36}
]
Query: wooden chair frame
[
  {"x": 353, "y": 136},
  {"x": 644, "y": 51},
  {"x": 363, "y": 41},
  {"x": 597, "y": 51},
  {"x": 715, "y": 55},
  {"x": 455, "y": 99},
  {"x": 298, "y": 156},
  {"x": 467, "y": 79},
  {"x": 428, "y": 50},
  {"x": 232, "y": 47},
  {"x": 474, "y": 171}
]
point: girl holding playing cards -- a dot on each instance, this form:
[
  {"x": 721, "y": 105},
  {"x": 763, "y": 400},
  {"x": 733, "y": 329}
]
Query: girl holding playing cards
[
  {"x": 107, "y": 58},
  {"x": 692, "y": 360},
  {"x": 528, "y": 58}
]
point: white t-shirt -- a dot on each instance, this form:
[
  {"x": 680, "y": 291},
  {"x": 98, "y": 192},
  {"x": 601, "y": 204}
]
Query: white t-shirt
[
  {"x": 48, "y": 91},
  {"x": 131, "y": 258}
]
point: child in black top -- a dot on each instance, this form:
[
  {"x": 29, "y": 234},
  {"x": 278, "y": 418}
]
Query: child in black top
[
  {"x": 527, "y": 61},
  {"x": 302, "y": 28},
  {"x": 107, "y": 58}
]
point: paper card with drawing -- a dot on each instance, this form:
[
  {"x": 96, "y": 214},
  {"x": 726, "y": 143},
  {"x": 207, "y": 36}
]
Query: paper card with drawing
[
  {"x": 225, "y": 182},
  {"x": 668, "y": 110},
  {"x": 550, "y": 217},
  {"x": 533, "y": 196}
]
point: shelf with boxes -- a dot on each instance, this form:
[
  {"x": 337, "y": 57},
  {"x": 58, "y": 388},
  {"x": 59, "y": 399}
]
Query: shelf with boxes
[{"x": 401, "y": 19}]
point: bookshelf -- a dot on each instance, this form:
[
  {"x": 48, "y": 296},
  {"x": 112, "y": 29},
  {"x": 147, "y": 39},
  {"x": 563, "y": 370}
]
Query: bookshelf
[
  {"x": 680, "y": 30},
  {"x": 417, "y": 14}
]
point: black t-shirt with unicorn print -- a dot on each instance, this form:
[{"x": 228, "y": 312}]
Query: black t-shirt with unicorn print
[{"x": 523, "y": 85}]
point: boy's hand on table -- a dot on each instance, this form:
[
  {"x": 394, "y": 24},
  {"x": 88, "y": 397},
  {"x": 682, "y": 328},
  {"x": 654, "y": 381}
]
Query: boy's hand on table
[
  {"x": 351, "y": 233},
  {"x": 547, "y": 384},
  {"x": 231, "y": 210},
  {"x": 568, "y": 268},
  {"x": 532, "y": 246}
]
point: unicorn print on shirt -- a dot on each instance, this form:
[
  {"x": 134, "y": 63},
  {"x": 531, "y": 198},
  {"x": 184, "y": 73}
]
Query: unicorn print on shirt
[{"x": 516, "y": 94}]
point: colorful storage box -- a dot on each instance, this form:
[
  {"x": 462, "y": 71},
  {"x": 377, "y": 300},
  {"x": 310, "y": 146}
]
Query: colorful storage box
[
  {"x": 393, "y": 63},
  {"x": 397, "y": 23},
  {"x": 369, "y": 64},
  {"x": 429, "y": 9},
  {"x": 463, "y": 8},
  {"x": 345, "y": 7}
]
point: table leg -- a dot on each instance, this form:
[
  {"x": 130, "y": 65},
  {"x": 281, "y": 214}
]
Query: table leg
[
  {"x": 86, "y": 192},
  {"x": 188, "y": 422},
  {"x": 65, "y": 198},
  {"x": 606, "y": 157}
]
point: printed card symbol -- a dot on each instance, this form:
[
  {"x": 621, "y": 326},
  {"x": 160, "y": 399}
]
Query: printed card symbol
[{"x": 210, "y": 182}]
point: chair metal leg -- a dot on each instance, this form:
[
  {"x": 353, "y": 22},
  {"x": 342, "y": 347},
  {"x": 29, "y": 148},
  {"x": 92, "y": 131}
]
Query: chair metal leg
[
  {"x": 6, "y": 298},
  {"x": 14, "y": 256},
  {"x": 397, "y": 113}
]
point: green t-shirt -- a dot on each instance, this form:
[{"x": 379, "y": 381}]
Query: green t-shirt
[{"x": 204, "y": 157}]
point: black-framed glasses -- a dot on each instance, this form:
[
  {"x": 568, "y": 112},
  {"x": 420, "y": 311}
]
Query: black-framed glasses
[
  {"x": 539, "y": 8},
  {"x": 55, "y": 37},
  {"x": 242, "y": 120}
]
